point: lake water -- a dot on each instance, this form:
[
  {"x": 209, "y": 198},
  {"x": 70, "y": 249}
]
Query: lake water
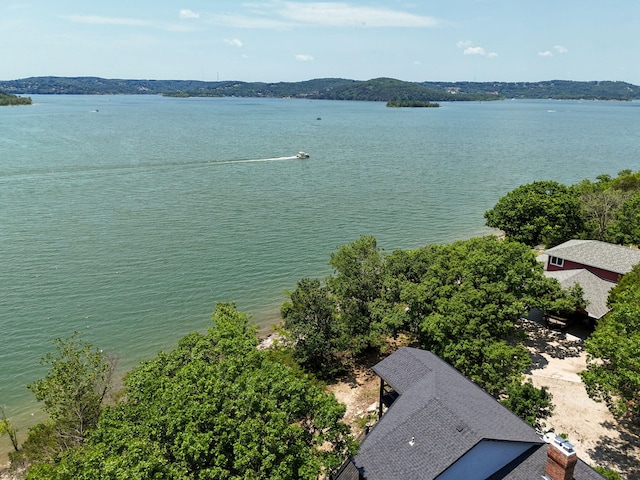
[{"x": 129, "y": 217}]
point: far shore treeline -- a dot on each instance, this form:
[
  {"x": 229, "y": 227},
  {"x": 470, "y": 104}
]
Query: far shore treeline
[
  {"x": 378, "y": 89},
  {"x": 219, "y": 407}
]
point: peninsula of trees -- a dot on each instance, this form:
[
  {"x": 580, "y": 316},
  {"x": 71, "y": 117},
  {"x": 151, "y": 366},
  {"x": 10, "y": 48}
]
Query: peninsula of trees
[
  {"x": 378, "y": 89},
  {"x": 10, "y": 100}
]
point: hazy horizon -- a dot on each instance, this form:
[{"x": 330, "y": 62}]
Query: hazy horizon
[{"x": 290, "y": 41}]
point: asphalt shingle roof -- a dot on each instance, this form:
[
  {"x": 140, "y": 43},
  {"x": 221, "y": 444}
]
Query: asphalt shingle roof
[
  {"x": 438, "y": 418},
  {"x": 596, "y": 289},
  {"x": 593, "y": 253}
]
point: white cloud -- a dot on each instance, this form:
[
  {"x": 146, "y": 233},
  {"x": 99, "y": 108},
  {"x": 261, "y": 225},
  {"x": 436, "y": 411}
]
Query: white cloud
[
  {"x": 234, "y": 42},
  {"x": 301, "y": 57},
  {"x": 100, "y": 20},
  {"x": 343, "y": 14},
  {"x": 556, "y": 48},
  {"x": 281, "y": 13},
  {"x": 245, "y": 21},
  {"x": 187, "y": 14},
  {"x": 128, "y": 22},
  {"x": 474, "y": 51},
  {"x": 468, "y": 48}
]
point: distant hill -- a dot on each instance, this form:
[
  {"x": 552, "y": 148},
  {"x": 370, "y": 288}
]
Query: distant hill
[
  {"x": 379, "y": 89},
  {"x": 554, "y": 89},
  {"x": 390, "y": 89}
]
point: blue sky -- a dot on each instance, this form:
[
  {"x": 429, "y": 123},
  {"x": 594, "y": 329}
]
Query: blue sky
[{"x": 276, "y": 40}]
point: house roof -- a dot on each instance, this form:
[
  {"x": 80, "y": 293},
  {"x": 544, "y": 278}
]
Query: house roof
[
  {"x": 531, "y": 465},
  {"x": 596, "y": 289},
  {"x": 440, "y": 419},
  {"x": 594, "y": 253}
]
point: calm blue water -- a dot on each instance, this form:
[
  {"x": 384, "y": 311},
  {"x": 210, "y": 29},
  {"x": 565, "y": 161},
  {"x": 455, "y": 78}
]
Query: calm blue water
[{"x": 130, "y": 223}]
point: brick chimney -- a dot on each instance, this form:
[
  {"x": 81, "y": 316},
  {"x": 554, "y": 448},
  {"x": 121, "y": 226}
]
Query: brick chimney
[{"x": 561, "y": 460}]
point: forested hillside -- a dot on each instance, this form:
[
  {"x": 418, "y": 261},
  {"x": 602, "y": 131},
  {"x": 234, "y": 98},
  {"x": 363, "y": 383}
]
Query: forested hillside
[
  {"x": 379, "y": 89},
  {"x": 555, "y": 89}
]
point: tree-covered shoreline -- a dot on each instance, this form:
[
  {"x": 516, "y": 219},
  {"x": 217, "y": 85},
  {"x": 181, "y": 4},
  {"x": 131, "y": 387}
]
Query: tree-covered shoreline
[
  {"x": 378, "y": 89},
  {"x": 13, "y": 100},
  {"x": 411, "y": 104},
  {"x": 549, "y": 213}
]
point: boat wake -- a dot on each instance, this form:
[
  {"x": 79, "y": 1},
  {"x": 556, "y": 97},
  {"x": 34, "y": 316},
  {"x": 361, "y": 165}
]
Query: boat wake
[
  {"x": 254, "y": 160},
  {"x": 71, "y": 171}
]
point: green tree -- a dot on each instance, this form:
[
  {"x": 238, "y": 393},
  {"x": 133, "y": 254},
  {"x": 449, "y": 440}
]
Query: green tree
[
  {"x": 627, "y": 181},
  {"x": 215, "y": 407},
  {"x": 613, "y": 356},
  {"x": 567, "y": 304},
  {"x": 357, "y": 285},
  {"x": 7, "y": 427},
  {"x": 629, "y": 282},
  {"x": 464, "y": 299},
  {"x": 311, "y": 324},
  {"x": 608, "y": 473},
  {"x": 74, "y": 389},
  {"x": 599, "y": 210},
  {"x": 545, "y": 212},
  {"x": 625, "y": 229},
  {"x": 7, "y": 99},
  {"x": 531, "y": 404}
]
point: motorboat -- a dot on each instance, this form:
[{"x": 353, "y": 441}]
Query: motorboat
[{"x": 302, "y": 155}]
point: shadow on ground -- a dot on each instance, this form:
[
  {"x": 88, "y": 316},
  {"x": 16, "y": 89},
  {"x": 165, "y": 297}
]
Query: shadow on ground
[
  {"x": 622, "y": 452},
  {"x": 555, "y": 343}
]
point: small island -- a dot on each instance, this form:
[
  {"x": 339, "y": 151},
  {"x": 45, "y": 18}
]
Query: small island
[
  {"x": 411, "y": 103},
  {"x": 10, "y": 100}
]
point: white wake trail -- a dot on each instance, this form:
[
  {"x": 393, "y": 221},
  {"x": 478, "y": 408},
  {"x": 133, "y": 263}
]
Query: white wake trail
[{"x": 255, "y": 160}]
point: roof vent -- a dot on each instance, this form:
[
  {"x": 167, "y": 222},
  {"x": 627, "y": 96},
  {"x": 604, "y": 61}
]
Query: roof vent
[{"x": 564, "y": 445}]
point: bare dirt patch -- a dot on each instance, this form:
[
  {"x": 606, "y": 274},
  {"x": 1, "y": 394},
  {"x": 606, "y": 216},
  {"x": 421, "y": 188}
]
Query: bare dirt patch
[
  {"x": 359, "y": 392},
  {"x": 598, "y": 437}
]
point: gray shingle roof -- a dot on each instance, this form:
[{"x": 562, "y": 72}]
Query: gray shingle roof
[
  {"x": 596, "y": 289},
  {"x": 444, "y": 413},
  {"x": 439, "y": 417},
  {"x": 608, "y": 256},
  {"x": 531, "y": 466}
]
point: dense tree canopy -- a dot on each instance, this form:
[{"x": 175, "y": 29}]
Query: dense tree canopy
[
  {"x": 311, "y": 322},
  {"x": 10, "y": 100},
  {"x": 216, "y": 407},
  {"x": 550, "y": 213},
  {"x": 461, "y": 301},
  {"x": 538, "y": 213},
  {"x": 613, "y": 361},
  {"x": 357, "y": 284}
]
